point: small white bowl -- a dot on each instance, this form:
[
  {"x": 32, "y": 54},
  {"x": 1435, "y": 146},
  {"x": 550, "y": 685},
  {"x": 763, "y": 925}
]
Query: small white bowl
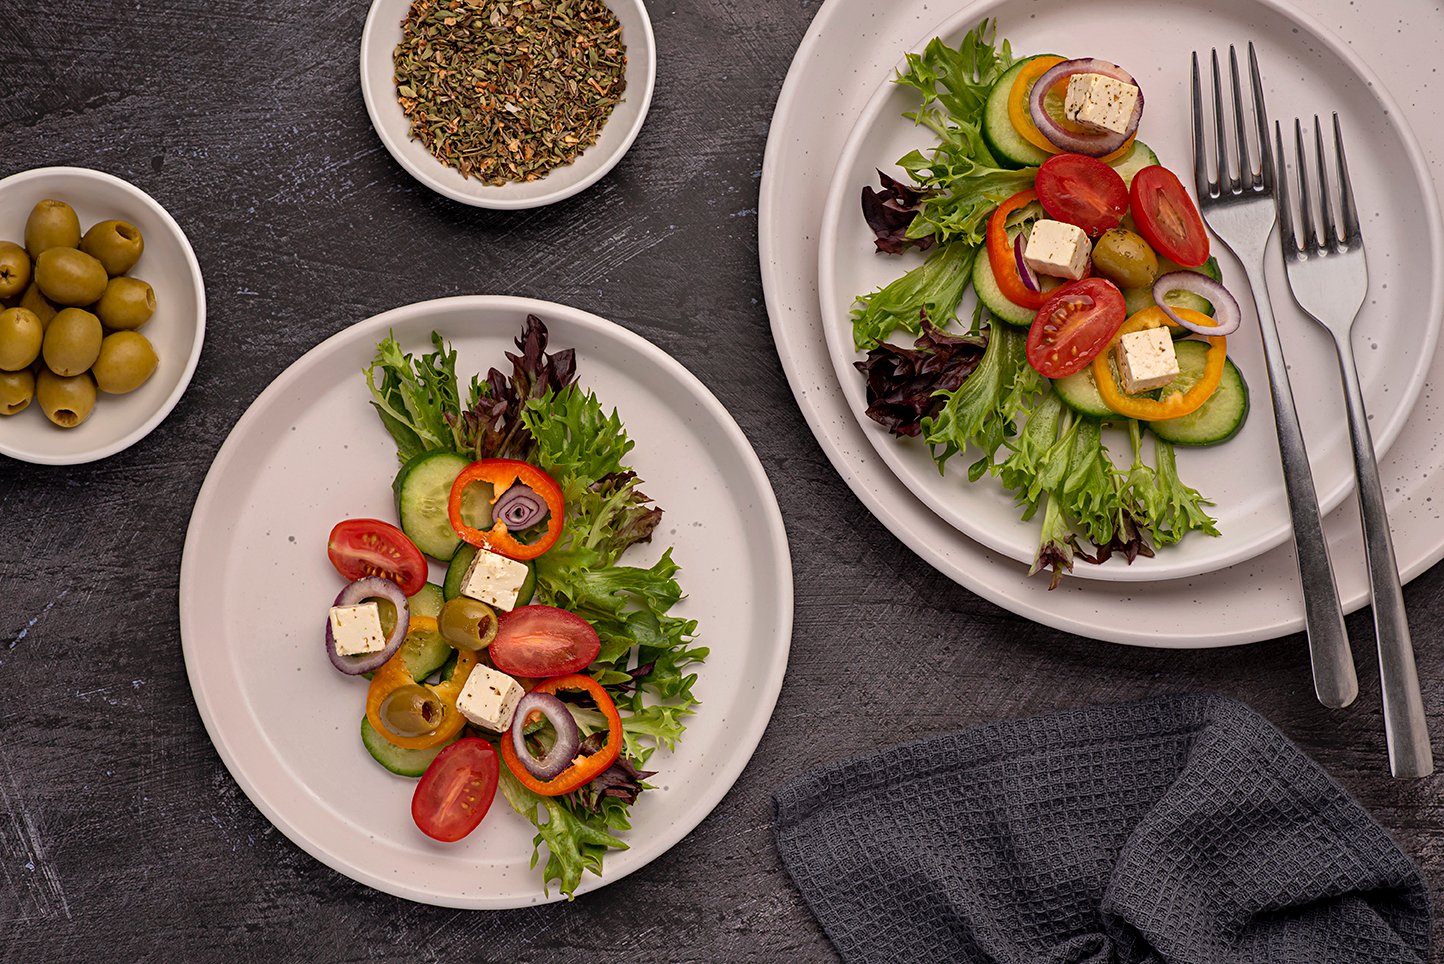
[
  {"x": 177, "y": 328},
  {"x": 378, "y": 86}
]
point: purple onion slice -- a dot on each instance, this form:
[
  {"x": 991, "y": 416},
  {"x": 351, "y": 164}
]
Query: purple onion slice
[
  {"x": 370, "y": 587},
  {"x": 1093, "y": 144},
  {"x": 1030, "y": 280},
  {"x": 568, "y": 742},
  {"x": 520, "y": 508},
  {"x": 1226, "y": 313}
]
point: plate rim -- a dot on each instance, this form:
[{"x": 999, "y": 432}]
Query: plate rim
[
  {"x": 747, "y": 736},
  {"x": 893, "y": 456}
]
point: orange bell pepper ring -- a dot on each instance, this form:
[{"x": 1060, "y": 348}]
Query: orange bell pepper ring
[
  {"x": 1022, "y": 118},
  {"x": 1174, "y": 404},
  {"x": 394, "y": 674},
  {"x": 584, "y": 769},
  {"x": 502, "y": 474},
  {"x": 1001, "y": 258}
]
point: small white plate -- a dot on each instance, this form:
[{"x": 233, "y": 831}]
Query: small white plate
[
  {"x": 255, "y": 584},
  {"x": 177, "y": 329},
  {"x": 1242, "y": 477},
  {"x": 378, "y": 87}
]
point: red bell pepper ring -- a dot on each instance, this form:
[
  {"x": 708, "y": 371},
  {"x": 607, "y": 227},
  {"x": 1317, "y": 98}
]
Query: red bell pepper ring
[
  {"x": 503, "y": 474},
  {"x": 584, "y": 769}
]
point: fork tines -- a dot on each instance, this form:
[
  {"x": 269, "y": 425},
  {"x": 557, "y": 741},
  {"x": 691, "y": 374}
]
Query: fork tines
[
  {"x": 1249, "y": 180},
  {"x": 1307, "y": 240}
]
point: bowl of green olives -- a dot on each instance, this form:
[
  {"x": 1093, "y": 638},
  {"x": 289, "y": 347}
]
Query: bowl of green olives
[{"x": 102, "y": 315}]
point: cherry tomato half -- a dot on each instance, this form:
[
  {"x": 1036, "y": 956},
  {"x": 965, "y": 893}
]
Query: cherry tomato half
[
  {"x": 1167, "y": 217},
  {"x": 370, "y": 547},
  {"x": 1082, "y": 190},
  {"x": 456, "y": 790},
  {"x": 1076, "y": 323},
  {"x": 541, "y": 641}
]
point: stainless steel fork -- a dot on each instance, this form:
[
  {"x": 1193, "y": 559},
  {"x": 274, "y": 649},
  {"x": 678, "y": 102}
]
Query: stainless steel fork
[
  {"x": 1240, "y": 211},
  {"x": 1329, "y": 278}
]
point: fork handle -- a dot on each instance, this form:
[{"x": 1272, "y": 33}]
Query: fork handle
[
  {"x": 1405, "y": 726},
  {"x": 1335, "y": 681}
]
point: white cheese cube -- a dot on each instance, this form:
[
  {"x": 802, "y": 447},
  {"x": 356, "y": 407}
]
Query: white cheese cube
[
  {"x": 357, "y": 629},
  {"x": 1146, "y": 360},
  {"x": 489, "y": 698},
  {"x": 494, "y": 579},
  {"x": 1058, "y": 249},
  {"x": 1100, "y": 103}
]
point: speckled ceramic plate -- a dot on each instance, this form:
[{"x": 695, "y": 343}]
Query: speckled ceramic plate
[
  {"x": 255, "y": 584},
  {"x": 849, "y": 46}
]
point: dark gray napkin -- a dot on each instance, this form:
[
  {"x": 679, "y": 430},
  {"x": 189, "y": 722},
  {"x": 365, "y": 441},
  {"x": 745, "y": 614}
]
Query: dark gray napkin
[{"x": 1182, "y": 829}]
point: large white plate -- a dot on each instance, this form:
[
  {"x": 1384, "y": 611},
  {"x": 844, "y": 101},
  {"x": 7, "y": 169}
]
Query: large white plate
[
  {"x": 255, "y": 582},
  {"x": 834, "y": 73},
  {"x": 1243, "y": 478}
]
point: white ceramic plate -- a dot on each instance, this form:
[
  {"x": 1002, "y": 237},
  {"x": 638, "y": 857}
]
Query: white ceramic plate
[
  {"x": 1243, "y": 478},
  {"x": 835, "y": 72},
  {"x": 255, "y": 584},
  {"x": 379, "y": 38},
  {"x": 176, "y": 330}
]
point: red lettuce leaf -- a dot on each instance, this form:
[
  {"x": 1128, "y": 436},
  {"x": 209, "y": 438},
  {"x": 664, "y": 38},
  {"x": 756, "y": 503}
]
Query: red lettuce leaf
[
  {"x": 889, "y": 212},
  {"x": 903, "y": 384}
]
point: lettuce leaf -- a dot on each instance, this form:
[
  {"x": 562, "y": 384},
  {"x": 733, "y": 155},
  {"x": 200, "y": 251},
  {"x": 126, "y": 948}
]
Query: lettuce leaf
[
  {"x": 932, "y": 290},
  {"x": 576, "y": 842},
  {"x": 985, "y": 411}
]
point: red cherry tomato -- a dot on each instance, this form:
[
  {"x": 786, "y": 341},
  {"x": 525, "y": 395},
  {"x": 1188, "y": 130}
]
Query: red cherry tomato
[
  {"x": 1083, "y": 191},
  {"x": 456, "y": 790},
  {"x": 1076, "y": 323},
  {"x": 541, "y": 641},
  {"x": 1167, "y": 217},
  {"x": 370, "y": 547}
]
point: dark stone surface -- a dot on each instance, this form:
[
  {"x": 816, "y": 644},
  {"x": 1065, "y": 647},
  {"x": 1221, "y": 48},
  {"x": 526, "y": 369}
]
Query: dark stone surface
[{"x": 122, "y": 837}]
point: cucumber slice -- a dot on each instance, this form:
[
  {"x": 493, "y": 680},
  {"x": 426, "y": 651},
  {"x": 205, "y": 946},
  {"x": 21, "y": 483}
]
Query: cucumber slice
[
  {"x": 423, "y": 489},
  {"x": 1079, "y": 392},
  {"x": 424, "y": 651},
  {"x": 1002, "y": 138},
  {"x": 399, "y": 760},
  {"x": 427, "y": 602},
  {"x": 456, "y": 569},
  {"x": 1135, "y": 160},
  {"x": 528, "y": 586},
  {"x": 992, "y": 297},
  {"x": 1221, "y": 416},
  {"x": 1136, "y": 299}
]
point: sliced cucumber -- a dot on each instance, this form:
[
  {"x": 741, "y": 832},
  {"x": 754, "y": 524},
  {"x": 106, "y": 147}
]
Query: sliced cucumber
[
  {"x": 460, "y": 562},
  {"x": 992, "y": 297},
  {"x": 1008, "y": 146},
  {"x": 424, "y": 652},
  {"x": 1135, "y": 160},
  {"x": 1137, "y": 299},
  {"x": 423, "y": 489},
  {"x": 399, "y": 760},
  {"x": 528, "y": 586},
  {"x": 1079, "y": 392},
  {"x": 1221, "y": 416},
  {"x": 427, "y": 602}
]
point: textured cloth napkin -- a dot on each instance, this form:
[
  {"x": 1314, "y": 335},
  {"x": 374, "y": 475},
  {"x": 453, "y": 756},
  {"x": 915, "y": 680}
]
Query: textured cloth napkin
[{"x": 1184, "y": 829}]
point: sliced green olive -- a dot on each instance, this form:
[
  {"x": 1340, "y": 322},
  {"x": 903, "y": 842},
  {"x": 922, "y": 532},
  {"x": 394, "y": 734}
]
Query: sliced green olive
[
  {"x": 468, "y": 623},
  {"x": 412, "y": 710}
]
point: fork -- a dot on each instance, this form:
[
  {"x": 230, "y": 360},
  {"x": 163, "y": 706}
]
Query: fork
[
  {"x": 1329, "y": 278},
  {"x": 1240, "y": 212}
]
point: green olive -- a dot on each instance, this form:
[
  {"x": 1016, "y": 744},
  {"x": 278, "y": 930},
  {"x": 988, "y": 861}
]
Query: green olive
[
  {"x": 65, "y": 401},
  {"x": 70, "y": 277},
  {"x": 1124, "y": 257},
  {"x": 467, "y": 623},
  {"x": 52, "y": 224},
  {"x": 72, "y": 342},
  {"x": 127, "y": 303},
  {"x": 115, "y": 244},
  {"x": 35, "y": 302},
  {"x": 16, "y": 390},
  {"x": 412, "y": 710},
  {"x": 21, "y": 335},
  {"x": 126, "y": 362},
  {"x": 14, "y": 269}
]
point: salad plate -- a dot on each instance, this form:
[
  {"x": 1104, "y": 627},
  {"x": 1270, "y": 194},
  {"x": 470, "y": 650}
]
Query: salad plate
[
  {"x": 1242, "y": 476},
  {"x": 255, "y": 579},
  {"x": 846, "y": 51}
]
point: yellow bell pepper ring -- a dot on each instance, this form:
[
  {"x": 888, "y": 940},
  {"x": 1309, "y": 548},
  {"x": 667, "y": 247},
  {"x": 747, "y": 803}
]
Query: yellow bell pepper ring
[
  {"x": 1175, "y": 404},
  {"x": 394, "y": 678}
]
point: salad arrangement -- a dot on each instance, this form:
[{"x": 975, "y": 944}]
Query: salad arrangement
[
  {"x": 1098, "y": 304},
  {"x": 541, "y": 664}
]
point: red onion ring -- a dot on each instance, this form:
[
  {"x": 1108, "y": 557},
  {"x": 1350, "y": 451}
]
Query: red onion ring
[
  {"x": 1094, "y": 145},
  {"x": 1030, "y": 280},
  {"x": 370, "y": 587},
  {"x": 1226, "y": 312},
  {"x": 520, "y": 508},
  {"x": 568, "y": 742}
]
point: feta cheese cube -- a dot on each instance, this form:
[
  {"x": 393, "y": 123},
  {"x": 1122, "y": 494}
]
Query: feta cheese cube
[
  {"x": 1058, "y": 249},
  {"x": 357, "y": 629},
  {"x": 494, "y": 579},
  {"x": 489, "y": 698},
  {"x": 1146, "y": 360},
  {"x": 1100, "y": 103}
]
